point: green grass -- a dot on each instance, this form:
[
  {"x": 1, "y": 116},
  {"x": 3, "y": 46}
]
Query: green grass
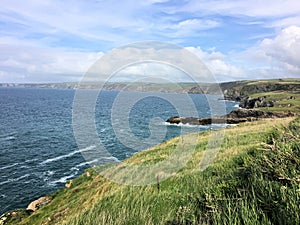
[
  {"x": 284, "y": 100},
  {"x": 255, "y": 179},
  {"x": 285, "y": 97}
]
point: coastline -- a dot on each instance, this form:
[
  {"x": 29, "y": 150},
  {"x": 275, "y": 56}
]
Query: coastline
[
  {"x": 265, "y": 111},
  {"x": 91, "y": 185}
]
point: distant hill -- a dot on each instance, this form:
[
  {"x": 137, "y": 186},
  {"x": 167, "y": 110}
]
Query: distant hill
[
  {"x": 280, "y": 94},
  {"x": 230, "y": 89}
]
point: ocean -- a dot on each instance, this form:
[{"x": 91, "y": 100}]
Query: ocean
[{"x": 38, "y": 148}]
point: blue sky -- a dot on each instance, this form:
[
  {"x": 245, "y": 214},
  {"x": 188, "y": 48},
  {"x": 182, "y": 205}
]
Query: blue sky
[{"x": 55, "y": 41}]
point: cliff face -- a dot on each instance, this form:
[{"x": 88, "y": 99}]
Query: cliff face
[
  {"x": 280, "y": 95},
  {"x": 260, "y": 102},
  {"x": 238, "y": 91},
  {"x": 260, "y": 94},
  {"x": 268, "y": 87}
]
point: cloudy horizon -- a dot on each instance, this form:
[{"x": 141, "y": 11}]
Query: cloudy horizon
[{"x": 58, "y": 41}]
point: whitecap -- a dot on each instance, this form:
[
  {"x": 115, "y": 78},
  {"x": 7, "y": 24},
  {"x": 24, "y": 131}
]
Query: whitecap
[
  {"x": 7, "y": 135},
  {"x": 48, "y": 173},
  {"x": 62, "y": 179},
  {"x": 25, "y": 167},
  {"x": 31, "y": 160},
  {"x": 111, "y": 158},
  {"x": 21, "y": 177},
  {"x": 9, "y": 166},
  {"x": 103, "y": 130},
  {"x": 78, "y": 166},
  {"x": 219, "y": 125},
  {"x": 9, "y": 138},
  {"x": 5, "y": 182},
  {"x": 68, "y": 155},
  {"x": 94, "y": 162},
  {"x": 185, "y": 125},
  {"x": 14, "y": 179}
]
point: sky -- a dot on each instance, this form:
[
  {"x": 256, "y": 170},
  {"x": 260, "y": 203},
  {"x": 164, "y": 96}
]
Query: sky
[{"x": 57, "y": 41}]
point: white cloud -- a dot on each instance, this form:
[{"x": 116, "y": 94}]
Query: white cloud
[
  {"x": 191, "y": 27},
  {"x": 216, "y": 62},
  {"x": 274, "y": 13},
  {"x": 270, "y": 58},
  {"x": 286, "y": 22},
  {"x": 253, "y": 8},
  {"x": 285, "y": 48},
  {"x": 279, "y": 55},
  {"x": 153, "y": 72},
  {"x": 29, "y": 63},
  {"x": 153, "y": 60},
  {"x": 196, "y": 24},
  {"x": 92, "y": 21}
]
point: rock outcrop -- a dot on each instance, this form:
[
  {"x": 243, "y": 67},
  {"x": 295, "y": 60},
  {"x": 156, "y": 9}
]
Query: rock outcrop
[
  {"x": 235, "y": 90},
  {"x": 251, "y": 103},
  {"x": 68, "y": 183},
  {"x": 35, "y": 205},
  {"x": 235, "y": 117}
]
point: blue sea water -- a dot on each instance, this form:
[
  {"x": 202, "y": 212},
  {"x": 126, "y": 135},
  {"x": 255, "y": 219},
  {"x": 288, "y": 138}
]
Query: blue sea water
[{"x": 38, "y": 149}]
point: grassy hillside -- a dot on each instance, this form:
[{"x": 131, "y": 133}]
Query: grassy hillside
[
  {"x": 255, "y": 179},
  {"x": 284, "y": 101},
  {"x": 284, "y": 92}
]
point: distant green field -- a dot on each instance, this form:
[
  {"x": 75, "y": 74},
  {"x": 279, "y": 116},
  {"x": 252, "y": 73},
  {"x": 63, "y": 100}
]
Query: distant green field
[{"x": 284, "y": 101}]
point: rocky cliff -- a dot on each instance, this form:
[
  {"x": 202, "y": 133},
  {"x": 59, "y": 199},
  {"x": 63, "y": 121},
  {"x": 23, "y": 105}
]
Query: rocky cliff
[{"x": 235, "y": 117}]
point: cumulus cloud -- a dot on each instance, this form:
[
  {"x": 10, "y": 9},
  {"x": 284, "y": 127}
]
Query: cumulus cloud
[
  {"x": 217, "y": 63},
  {"x": 284, "y": 48},
  {"x": 278, "y": 56},
  {"x": 270, "y": 58}
]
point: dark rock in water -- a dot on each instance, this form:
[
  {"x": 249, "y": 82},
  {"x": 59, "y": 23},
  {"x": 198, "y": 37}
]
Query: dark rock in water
[
  {"x": 174, "y": 119},
  {"x": 235, "y": 117}
]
